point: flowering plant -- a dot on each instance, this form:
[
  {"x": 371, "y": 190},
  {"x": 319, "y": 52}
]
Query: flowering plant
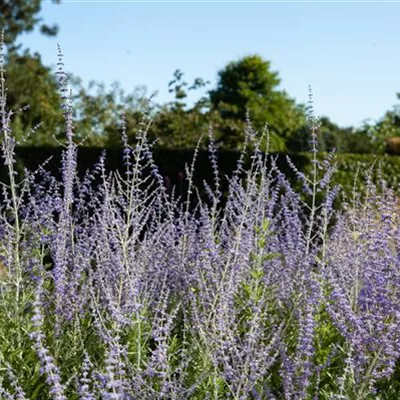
[{"x": 119, "y": 290}]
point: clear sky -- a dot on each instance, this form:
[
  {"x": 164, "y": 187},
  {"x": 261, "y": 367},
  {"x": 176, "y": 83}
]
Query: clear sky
[{"x": 348, "y": 51}]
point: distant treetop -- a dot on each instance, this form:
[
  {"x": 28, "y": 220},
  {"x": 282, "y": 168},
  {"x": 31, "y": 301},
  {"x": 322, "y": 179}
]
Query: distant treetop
[{"x": 18, "y": 16}]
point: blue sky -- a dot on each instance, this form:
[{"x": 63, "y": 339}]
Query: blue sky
[{"x": 347, "y": 51}]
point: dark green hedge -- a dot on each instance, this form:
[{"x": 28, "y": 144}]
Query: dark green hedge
[
  {"x": 172, "y": 164},
  {"x": 382, "y": 167}
]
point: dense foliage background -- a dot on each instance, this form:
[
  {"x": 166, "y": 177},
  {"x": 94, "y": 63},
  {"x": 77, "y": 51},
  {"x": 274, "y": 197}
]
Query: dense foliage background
[{"x": 246, "y": 85}]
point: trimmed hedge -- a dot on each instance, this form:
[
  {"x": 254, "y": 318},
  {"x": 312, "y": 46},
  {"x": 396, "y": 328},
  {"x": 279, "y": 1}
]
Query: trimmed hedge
[{"x": 172, "y": 165}]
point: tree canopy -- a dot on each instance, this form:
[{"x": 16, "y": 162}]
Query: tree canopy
[
  {"x": 249, "y": 84},
  {"x": 175, "y": 124},
  {"x": 18, "y": 16},
  {"x": 32, "y": 84}
]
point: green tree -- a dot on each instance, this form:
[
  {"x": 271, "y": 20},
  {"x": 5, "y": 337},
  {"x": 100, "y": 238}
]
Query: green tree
[
  {"x": 378, "y": 132},
  {"x": 32, "y": 84},
  {"x": 33, "y": 89},
  {"x": 98, "y": 112},
  {"x": 29, "y": 82},
  {"x": 250, "y": 84},
  {"x": 176, "y": 125},
  {"x": 18, "y": 16},
  {"x": 384, "y": 129}
]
